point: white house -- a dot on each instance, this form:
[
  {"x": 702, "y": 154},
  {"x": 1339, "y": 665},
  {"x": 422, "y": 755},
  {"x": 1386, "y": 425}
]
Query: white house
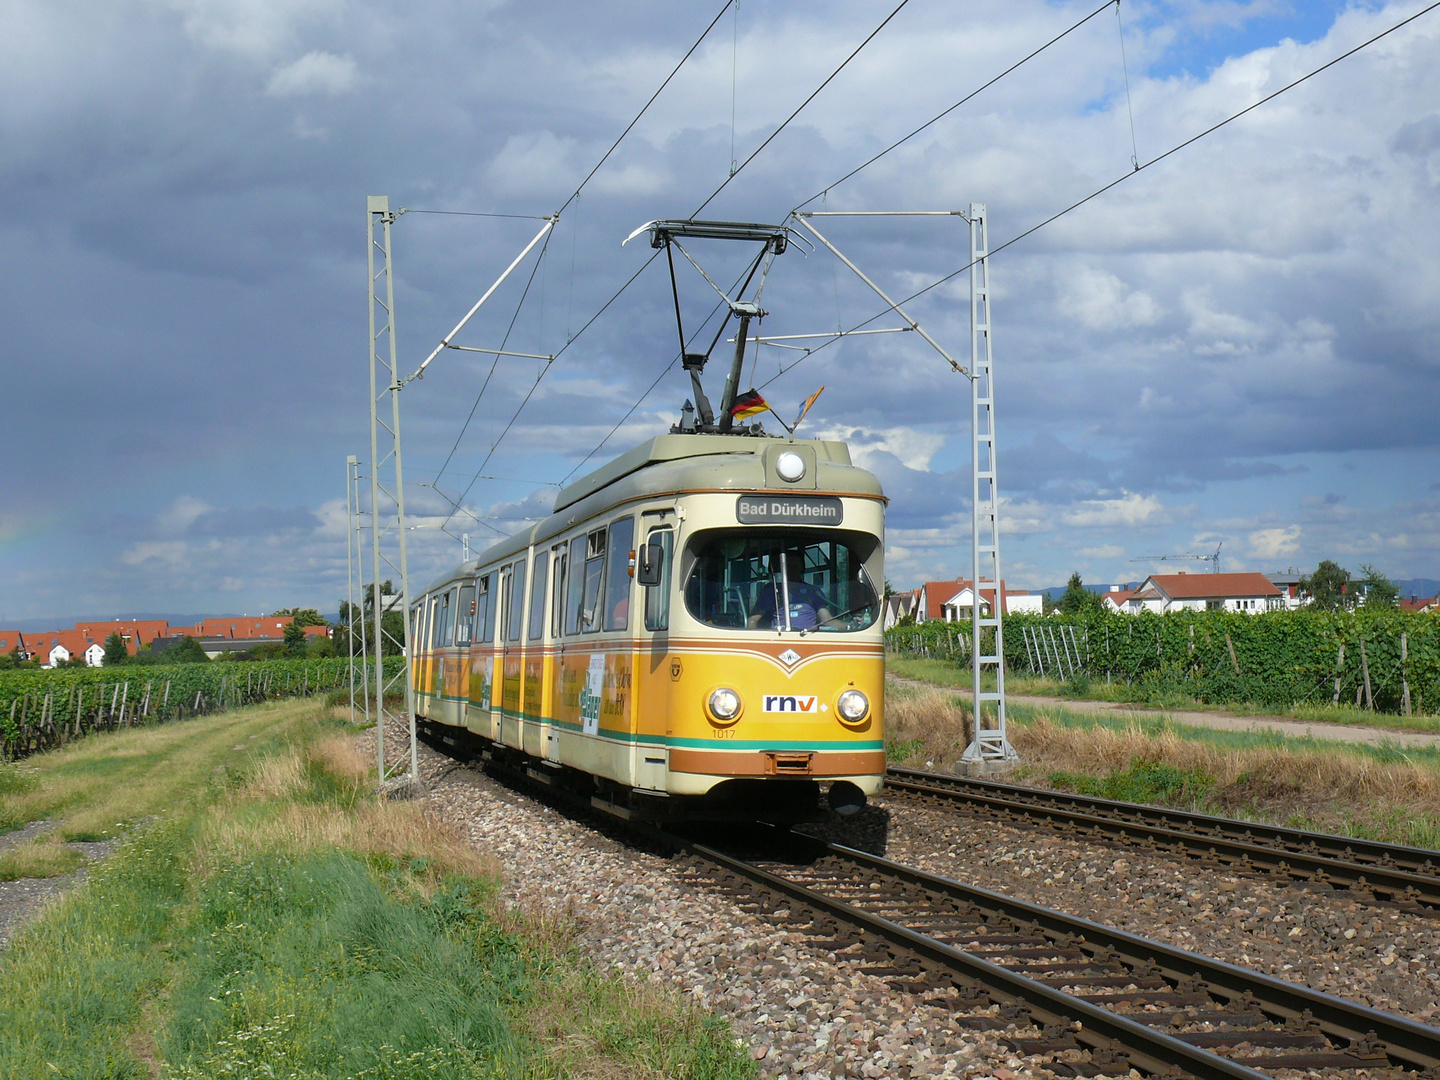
[
  {"x": 95, "y": 656},
  {"x": 1248, "y": 592},
  {"x": 59, "y": 655}
]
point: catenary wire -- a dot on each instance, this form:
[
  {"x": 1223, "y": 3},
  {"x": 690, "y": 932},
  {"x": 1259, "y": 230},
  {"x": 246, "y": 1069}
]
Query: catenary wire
[
  {"x": 815, "y": 93},
  {"x": 1119, "y": 180},
  {"x": 570, "y": 339},
  {"x": 651, "y": 388},
  {"x": 494, "y": 362},
  {"x": 670, "y": 366},
  {"x": 946, "y": 112},
  {"x": 604, "y": 157},
  {"x": 550, "y": 363}
]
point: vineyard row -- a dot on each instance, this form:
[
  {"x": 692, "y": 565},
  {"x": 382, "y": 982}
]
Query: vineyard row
[
  {"x": 41, "y": 710},
  {"x": 1384, "y": 660}
]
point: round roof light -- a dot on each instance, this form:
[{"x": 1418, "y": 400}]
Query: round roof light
[{"x": 790, "y": 466}]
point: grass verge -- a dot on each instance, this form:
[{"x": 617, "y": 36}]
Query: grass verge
[
  {"x": 1381, "y": 792},
  {"x": 273, "y": 919}
]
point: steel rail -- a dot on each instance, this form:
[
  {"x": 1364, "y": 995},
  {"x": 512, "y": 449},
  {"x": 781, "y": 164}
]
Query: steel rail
[
  {"x": 1402, "y": 875},
  {"x": 1407, "y": 1043},
  {"x": 1152, "y": 1050}
]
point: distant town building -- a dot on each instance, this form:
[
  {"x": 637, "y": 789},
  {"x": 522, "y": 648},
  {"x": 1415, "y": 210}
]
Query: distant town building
[
  {"x": 87, "y": 639},
  {"x": 1250, "y": 592}
]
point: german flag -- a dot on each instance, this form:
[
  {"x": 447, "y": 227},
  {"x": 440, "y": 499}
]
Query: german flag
[{"x": 748, "y": 404}]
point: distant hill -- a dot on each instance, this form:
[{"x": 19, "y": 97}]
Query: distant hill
[{"x": 1420, "y": 586}]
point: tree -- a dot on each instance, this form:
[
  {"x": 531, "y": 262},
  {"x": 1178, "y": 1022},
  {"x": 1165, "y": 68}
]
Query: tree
[
  {"x": 295, "y": 638},
  {"x": 1380, "y": 591},
  {"x": 185, "y": 651},
  {"x": 306, "y": 616},
  {"x": 115, "y": 650},
  {"x": 1077, "y": 599},
  {"x": 1327, "y": 587}
]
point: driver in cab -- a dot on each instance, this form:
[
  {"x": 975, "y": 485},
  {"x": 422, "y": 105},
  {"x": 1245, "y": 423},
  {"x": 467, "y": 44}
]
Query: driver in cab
[{"x": 809, "y": 606}]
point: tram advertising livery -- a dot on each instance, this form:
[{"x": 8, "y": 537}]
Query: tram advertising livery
[{"x": 695, "y": 631}]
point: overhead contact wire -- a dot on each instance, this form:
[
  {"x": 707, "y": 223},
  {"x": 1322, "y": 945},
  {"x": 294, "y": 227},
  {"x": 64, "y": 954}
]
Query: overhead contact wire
[
  {"x": 735, "y": 171},
  {"x": 946, "y": 112},
  {"x": 1121, "y": 179},
  {"x": 495, "y": 360}
]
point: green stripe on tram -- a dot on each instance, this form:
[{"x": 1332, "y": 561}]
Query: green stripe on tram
[{"x": 684, "y": 741}]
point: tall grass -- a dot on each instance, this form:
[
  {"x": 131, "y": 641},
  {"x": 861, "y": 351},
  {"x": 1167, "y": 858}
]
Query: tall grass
[
  {"x": 275, "y": 920},
  {"x": 1380, "y": 791}
]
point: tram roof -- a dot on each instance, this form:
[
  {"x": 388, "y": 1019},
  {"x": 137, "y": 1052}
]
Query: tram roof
[
  {"x": 676, "y": 447},
  {"x": 666, "y": 462}
]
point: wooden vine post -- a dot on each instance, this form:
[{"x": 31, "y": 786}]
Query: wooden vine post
[
  {"x": 1339, "y": 669},
  {"x": 1365, "y": 671},
  {"x": 1231, "y": 646},
  {"x": 1404, "y": 673}
]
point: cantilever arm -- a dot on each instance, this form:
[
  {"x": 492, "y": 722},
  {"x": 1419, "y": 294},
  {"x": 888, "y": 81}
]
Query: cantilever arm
[
  {"x": 803, "y": 219},
  {"x": 419, "y": 372}
]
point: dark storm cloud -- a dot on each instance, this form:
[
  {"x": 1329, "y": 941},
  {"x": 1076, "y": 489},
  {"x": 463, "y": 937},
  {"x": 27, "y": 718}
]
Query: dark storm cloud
[{"x": 185, "y": 181}]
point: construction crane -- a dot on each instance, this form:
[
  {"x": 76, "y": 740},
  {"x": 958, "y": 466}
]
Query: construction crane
[{"x": 1213, "y": 558}]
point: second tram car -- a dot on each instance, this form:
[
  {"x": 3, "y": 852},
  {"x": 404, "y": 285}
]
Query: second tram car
[{"x": 695, "y": 632}]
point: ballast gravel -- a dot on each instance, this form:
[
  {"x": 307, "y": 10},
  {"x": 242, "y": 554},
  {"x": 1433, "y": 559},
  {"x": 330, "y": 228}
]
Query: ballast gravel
[
  {"x": 804, "y": 1012},
  {"x": 801, "y": 1012},
  {"x": 1324, "y": 939}
]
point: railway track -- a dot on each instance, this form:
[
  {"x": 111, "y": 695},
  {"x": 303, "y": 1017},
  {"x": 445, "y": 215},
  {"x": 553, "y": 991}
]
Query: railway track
[
  {"x": 1073, "y": 996},
  {"x": 1394, "y": 875},
  {"x": 1085, "y": 998}
]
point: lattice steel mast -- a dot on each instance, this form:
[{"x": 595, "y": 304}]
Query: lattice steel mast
[
  {"x": 387, "y": 501},
  {"x": 987, "y": 642}
]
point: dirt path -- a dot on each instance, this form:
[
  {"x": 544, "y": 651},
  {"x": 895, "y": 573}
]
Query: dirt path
[
  {"x": 1281, "y": 725},
  {"x": 22, "y": 899}
]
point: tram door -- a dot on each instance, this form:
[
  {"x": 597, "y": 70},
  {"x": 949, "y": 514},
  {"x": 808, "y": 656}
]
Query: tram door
[
  {"x": 555, "y": 664},
  {"x": 512, "y": 585},
  {"x": 533, "y": 705}
]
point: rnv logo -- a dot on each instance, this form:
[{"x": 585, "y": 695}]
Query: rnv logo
[{"x": 790, "y": 703}]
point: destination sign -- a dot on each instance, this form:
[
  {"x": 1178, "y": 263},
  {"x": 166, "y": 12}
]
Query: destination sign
[{"x": 789, "y": 510}]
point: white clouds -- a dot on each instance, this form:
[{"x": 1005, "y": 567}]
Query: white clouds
[
  {"x": 169, "y": 553},
  {"x": 1101, "y": 301},
  {"x": 253, "y": 29},
  {"x": 317, "y": 73},
  {"x": 1274, "y": 543},
  {"x": 1130, "y": 510},
  {"x": 914, "y": 448}
]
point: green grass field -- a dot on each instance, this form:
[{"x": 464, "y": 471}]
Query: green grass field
[{"x": 265, "y": 916}]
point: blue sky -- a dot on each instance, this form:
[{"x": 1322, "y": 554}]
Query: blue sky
[{"x": 1238, "y": 345}]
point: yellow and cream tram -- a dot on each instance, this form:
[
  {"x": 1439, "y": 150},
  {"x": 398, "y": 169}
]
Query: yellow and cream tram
[{"x": 695, "y": 632}]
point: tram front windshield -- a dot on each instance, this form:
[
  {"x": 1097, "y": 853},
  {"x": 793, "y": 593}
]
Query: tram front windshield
[{"x": 754, "y": 580}]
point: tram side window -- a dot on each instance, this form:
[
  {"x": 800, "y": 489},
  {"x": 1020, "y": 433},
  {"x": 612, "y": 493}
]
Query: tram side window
[
  {"x": 502, "y": 598},
  {"x": 465, "y": 626},
  {"x": 657, "y": 597},
  {"x": 484, "y": 611},
  {"x": 517, "y": 601},
  {"x": 590, "y": 613},
  {"x": 560, "y": 560},
  {"x": 537, "y": 595},
  {"x": 618, "y": 573},
  {"x": 575, "y": 592},
  {"x": 430, "y": 639},
  {"x": 446, "y": 621}
]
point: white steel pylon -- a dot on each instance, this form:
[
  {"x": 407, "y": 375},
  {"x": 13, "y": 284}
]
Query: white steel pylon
[
  {"x": 387, "y": 499},
  {"x": 355, "y": 575},
  {"x": 987, "y": 643}
]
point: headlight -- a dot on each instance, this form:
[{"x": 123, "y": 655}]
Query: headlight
[
  {"x": 724, "y": 704},
  {"x": 852, "y": 706},
  {"x": 790, "y": 466}
]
